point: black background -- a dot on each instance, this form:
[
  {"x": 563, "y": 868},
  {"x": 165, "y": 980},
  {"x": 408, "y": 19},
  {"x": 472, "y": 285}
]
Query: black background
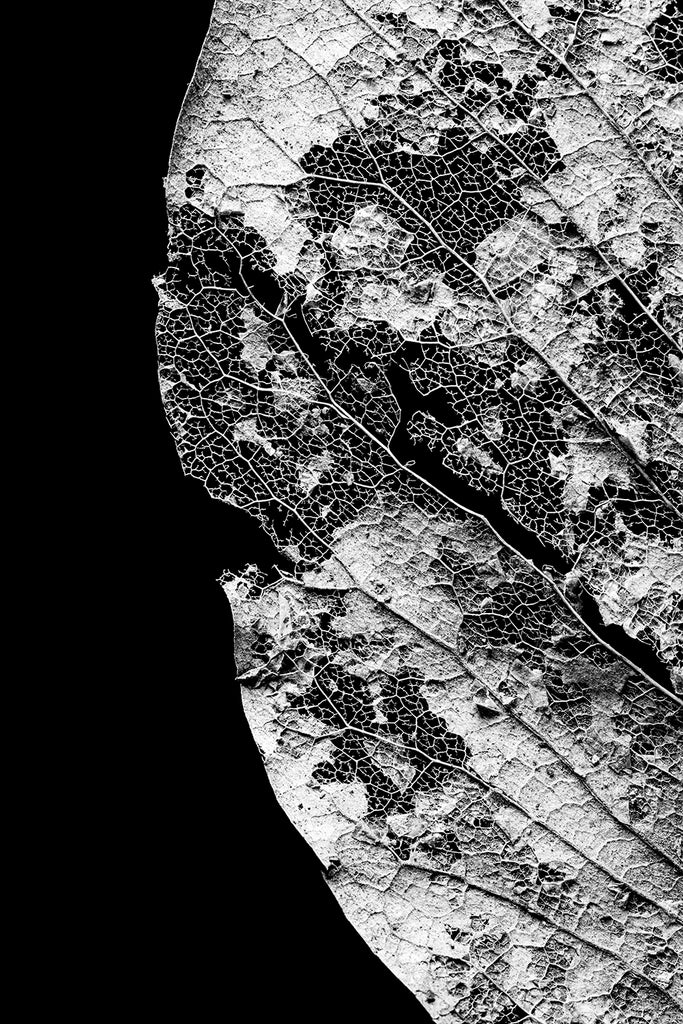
[{"x": 217, "y": 904}]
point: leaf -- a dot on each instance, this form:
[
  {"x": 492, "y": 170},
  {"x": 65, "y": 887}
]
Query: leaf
[{"x": 420, "y": 320}]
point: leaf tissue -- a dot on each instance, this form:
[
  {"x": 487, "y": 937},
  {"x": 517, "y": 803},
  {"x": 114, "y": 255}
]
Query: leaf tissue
[{"x": 421, "y": 319}]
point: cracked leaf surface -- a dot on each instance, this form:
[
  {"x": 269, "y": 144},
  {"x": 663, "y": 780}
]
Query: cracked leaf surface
[{"x": 422, "y": 320}]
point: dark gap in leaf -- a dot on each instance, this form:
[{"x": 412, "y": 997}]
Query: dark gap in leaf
[{"x": 230, "y": 253}]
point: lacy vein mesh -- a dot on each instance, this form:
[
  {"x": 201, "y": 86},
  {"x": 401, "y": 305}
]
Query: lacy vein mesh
[{"x": 420, "y": 319}]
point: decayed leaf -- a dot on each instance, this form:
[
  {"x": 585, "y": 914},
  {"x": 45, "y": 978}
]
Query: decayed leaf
[{"x": 420, "y": 319}]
